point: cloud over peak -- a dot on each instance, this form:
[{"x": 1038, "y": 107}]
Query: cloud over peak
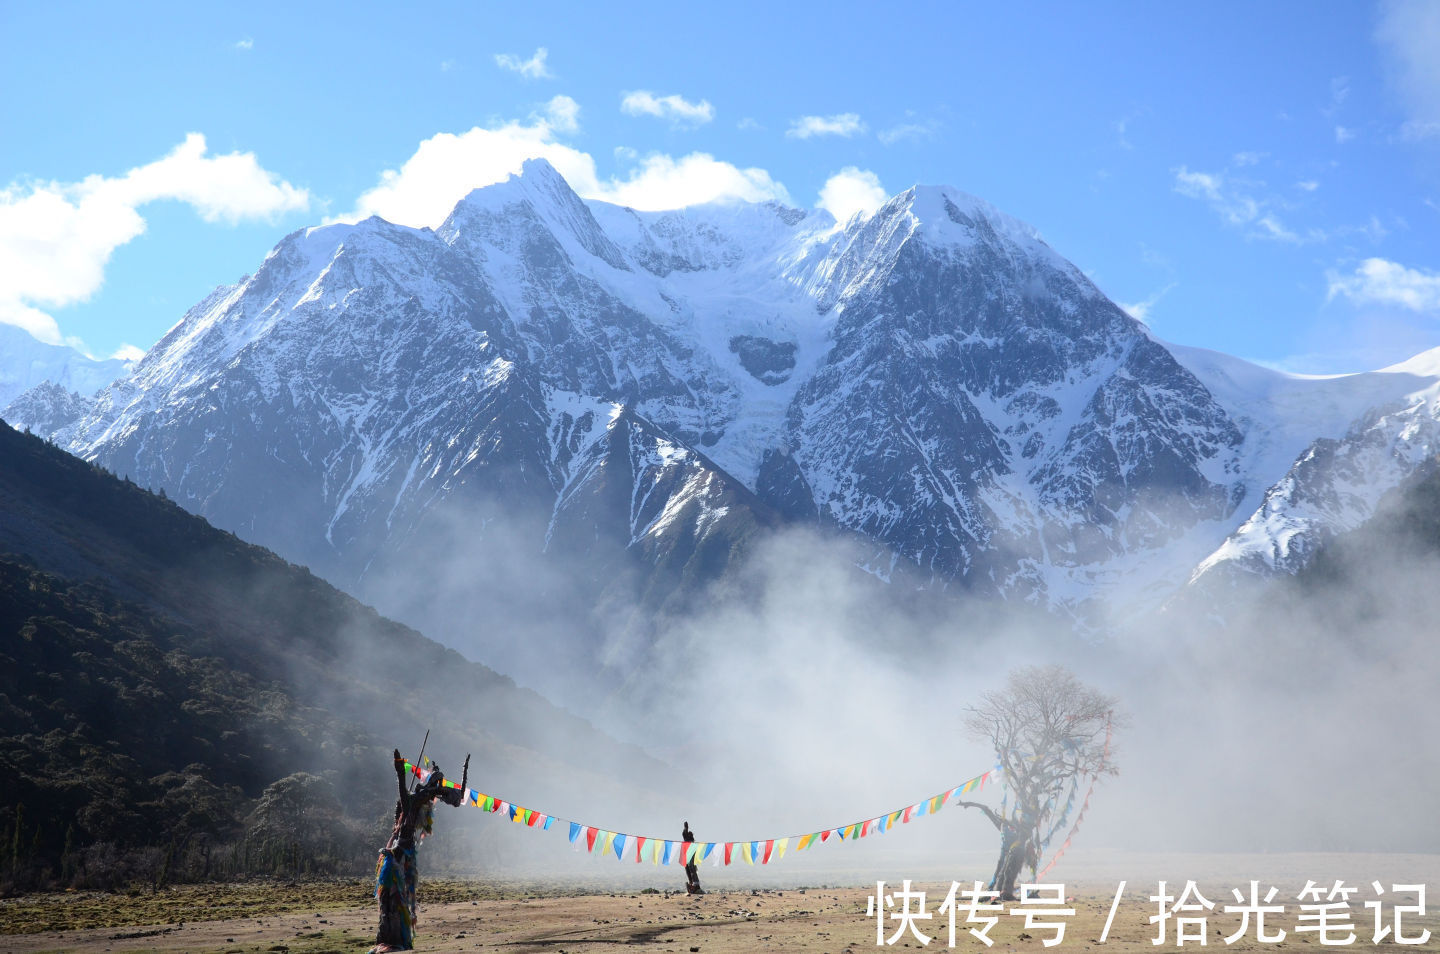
[
  {"x": 852, "y": 191},
  {"x": 448, "y": 166},
  {"x": 56, "y": 238}
]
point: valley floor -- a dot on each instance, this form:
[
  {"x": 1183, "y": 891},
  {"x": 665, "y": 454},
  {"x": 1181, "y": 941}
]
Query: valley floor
[{"x": 314, "y": 918}]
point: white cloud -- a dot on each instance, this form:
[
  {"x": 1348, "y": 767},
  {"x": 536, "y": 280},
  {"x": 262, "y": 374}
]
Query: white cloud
[
  {"x": 852, "y": 191},
  {"x": 533, "y": 68},
  {"x": 446, "y": 167},
  {"x": 1232, "y": 201},
  {"x": 1373, "y": 230},
  {"x": 676, "y": 109},
  {"x": 1197, "y": 185},
  {"x": 1343, "y": 135},
  {"x": 227, "y": 188},
  {"x": 1249, "y": 205},
  {"x": 1141, "y": 311},
  {"x": 1235, "y": 207},
  {"x": 245, "y": 44},
  {"x": 1248, "y": 158},
  {"x": 1120, "y": 127},
  {"x": 128, "y": 352},
  {"x": 1409, "y": 33},
  {"x": 1339, "y": 92},
  {"x": 563, "y": 114},
  {"x": 56, "y": 238},
  {"x": 662, "y": 182},
  {"x": 41, "y": 325},
  {"x": 912, "y": 131},
  {"x": 841, "y": 124},
  {"x": 1272, "y": 228},
  {"x": 1380, "y": 282}
]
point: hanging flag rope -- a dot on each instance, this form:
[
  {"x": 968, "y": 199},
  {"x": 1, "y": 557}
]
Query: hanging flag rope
[
  {"x": 1084, "y": 807},
  {"x": 660, "y": 851}
]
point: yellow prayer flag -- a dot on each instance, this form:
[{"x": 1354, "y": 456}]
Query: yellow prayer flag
[{"x": 780, "y": 847}]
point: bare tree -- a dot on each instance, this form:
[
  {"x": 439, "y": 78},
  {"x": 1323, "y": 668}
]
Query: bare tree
[{"x": 1049, "y": 731}]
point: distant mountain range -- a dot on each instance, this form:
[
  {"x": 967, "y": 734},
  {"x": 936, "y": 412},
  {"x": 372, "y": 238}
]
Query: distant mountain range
[
  {"x": 560, "y": 411},
  {"x": 26, "y": 363}
]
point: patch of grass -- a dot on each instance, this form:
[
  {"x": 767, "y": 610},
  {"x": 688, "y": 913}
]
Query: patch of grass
[{"x": 66, "y": 911}]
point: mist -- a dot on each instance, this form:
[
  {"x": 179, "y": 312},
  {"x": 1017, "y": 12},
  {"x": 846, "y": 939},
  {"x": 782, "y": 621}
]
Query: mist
[{"x": 1281, "y": 719}]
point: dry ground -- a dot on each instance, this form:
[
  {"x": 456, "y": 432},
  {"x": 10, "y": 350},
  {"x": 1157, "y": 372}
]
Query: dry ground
[{"x": 477, "y": 916}]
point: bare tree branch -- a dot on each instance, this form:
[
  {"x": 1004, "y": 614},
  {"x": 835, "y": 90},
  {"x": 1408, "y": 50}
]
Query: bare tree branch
[{"x": 1049, "y": 730}]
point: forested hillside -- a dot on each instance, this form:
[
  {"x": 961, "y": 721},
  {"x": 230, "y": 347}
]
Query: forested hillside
[{"x": 177, "y": 703}]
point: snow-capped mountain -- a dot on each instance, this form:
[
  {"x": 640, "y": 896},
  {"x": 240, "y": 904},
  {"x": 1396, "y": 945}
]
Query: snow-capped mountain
[
  {"x": 1328, "y": 448},
  {"x": 45, "y": 409},
  {"x": 548, "y": 401},
  {"x": 26, "y": 362}
]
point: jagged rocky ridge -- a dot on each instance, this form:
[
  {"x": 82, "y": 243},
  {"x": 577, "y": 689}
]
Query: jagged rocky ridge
[{"x": 550, "y": 405}]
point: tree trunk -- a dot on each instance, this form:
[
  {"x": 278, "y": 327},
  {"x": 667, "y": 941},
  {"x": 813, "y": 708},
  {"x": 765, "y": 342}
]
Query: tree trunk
[
  {"x": 396, "y": 873},
  {"x": 1014, "y": 852}
]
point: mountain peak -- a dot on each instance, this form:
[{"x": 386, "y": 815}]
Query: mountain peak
[
  {"x": 537, "y": 182},
  {"x": 945, "y": 210},
  {"x": 543, "y": 191},
  {"x": 541, "y": 169}
]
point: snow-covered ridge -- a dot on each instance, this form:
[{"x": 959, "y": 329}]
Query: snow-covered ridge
[
  {"x": 935, "y": 378},
  {"x": 1320, "y": 451}
]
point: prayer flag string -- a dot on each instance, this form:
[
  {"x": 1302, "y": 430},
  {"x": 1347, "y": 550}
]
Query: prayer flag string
[{"x": 665, "y": 851}]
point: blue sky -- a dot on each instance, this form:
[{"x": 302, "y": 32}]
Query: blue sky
[{"x": 1261, "y": 179}]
